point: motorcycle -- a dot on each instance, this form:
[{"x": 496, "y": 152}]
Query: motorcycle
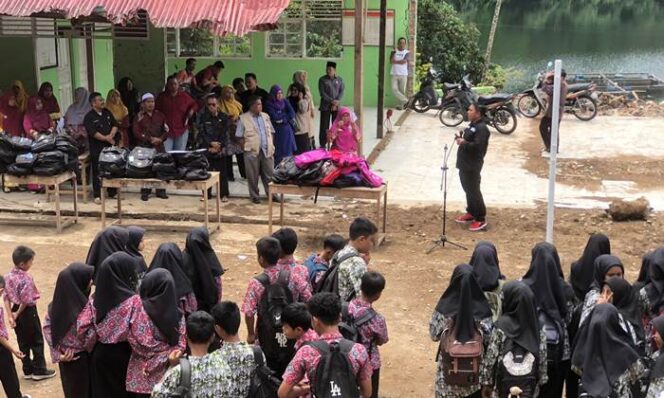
[
  {"x": 581, "y": 100},
  {"x": 427, "y": 98},
  {"x": 498, "y": 108}
]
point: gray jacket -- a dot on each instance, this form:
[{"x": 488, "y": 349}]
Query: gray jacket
[{"x": 330, "y": 89}]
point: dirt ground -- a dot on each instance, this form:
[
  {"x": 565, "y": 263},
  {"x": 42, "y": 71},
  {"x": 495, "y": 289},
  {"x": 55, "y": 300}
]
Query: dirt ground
[{"x": 415, "y": 280}]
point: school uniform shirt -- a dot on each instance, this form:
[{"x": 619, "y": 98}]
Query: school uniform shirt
[
  {"x": 208, "y": 378},
  {"x": 373, "y": 333},
  {"x": 3, "y": 328},
  {"x": 115, "y": 326},
  {"x": 656, "y": 386},
  {"x": 71, "y": 341},
  {"x": 188, "y": 304},
  {"x": 622, "y": 388},
  {"x": 591, "y": 300},
  {"x": 350, "y": 273},
  {"x": 241, "y": 365},
  {"x": 20, "y": 288},
  {"x": 306, "y": 360},
  {"x": 295, "y": 268},
  {"x": 298, "y": 287},
  {"x": 308, "y": 336}
]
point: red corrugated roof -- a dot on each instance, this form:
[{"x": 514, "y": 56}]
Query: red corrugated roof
[{"x": 220, "y": 16}]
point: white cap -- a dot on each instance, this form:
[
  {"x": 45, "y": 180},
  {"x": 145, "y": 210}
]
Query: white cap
[{"x": 147, "y": 96}]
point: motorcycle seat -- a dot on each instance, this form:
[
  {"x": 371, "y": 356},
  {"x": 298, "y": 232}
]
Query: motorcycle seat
[
  {"x": 450, "y": 86},
  {"x": 492, "y": 99},
  {"x": 575, "y": 88}
]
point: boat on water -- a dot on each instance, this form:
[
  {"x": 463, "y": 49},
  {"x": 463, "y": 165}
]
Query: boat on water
[{"x": 645, "y": 85}]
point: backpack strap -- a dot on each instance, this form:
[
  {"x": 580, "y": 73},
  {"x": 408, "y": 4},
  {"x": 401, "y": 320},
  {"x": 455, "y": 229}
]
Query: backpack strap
[
  {"x": 284, "y": 277},
  {"x": 340, "y": 259},
  {"x": 258, "y": 356},
  {"x": 263, "y": 279},
  {"x": 368, "y": 316},
  {"x": 185, "y": 376}
]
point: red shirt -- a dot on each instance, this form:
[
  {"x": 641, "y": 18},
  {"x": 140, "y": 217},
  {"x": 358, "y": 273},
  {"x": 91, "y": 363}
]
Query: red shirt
[
  {"x": 176, "y": 108},
  {"x": 147, "y": 126}
]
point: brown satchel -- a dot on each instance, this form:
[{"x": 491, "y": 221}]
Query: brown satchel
[{"x": 461, "y": 361}]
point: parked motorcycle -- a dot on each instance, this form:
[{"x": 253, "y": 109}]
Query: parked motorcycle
[
  {"x": 581, "y": 100},
  {"x": 427, "y": 98}
]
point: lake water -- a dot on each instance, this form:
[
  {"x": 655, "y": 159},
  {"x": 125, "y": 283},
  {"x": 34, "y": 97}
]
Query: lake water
[{"x": 588, "y": 36}]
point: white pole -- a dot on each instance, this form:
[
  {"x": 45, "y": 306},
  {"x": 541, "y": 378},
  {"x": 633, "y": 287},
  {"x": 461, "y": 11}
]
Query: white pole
[{"x": 553, "y": 154}]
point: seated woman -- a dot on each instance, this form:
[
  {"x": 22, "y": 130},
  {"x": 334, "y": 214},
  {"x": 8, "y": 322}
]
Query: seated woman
[
  {"x": 344, "y": 135},
  {"x": 48, "y": 99},
  {"x": 74, "y": 118},
  {"x": 13, "y": 104},
  {"x": 36, "y": 119}
]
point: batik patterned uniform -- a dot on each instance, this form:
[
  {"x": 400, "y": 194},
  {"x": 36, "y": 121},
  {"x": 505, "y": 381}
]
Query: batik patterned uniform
[
  {"x": 188, "y": 303},
  {"x": 373, "y": 333},
  {"x": 208, "y": 378},
  {"x": 298, "y": 287},
  {"x": 307, "y": 358},
  {"x": 241, "y": 365},
  {"x": 622, "y": 388},
  {"x": 656, "y": 387},
  {"x": 71, "y": 341},
  {"x": 295, "y": 268},
  {"x": 492, "y": 356},
  {"x": 350, "y": 273},
  {"x": 591, "y": 300},
  {"x": 308, "y": 336},
  {"x": 3, "y": 327},
  {"x": 113, "y": 329},
  {"x": 436, "y": 327},
  {"x": 20, "y": 288}
]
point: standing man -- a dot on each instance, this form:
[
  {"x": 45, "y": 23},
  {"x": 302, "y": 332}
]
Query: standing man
[
  {"x": 214, "y": 137},
  {"x": 208, "y": 78},
  {"x": 545, "y": 123},
  {"x": 178, "y": 107},
  {"x": 186, "y": 77},
  {"x": 399, "y": 60},
  {"x": 102, "y": 129},
  {"x": 256, "y": 129},
  {"x": 331, "y": 88},
  {"x": 149, "y": 129},
  {"x": 470, "y": 159},
  {"x": 252, "y": 90}
]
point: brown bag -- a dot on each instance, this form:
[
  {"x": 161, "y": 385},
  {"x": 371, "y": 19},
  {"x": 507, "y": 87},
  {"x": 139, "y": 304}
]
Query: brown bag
[{"x": 461, "y": 361}]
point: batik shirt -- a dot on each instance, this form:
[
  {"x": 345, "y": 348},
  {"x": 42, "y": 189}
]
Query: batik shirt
[
  {"x": 3, "y": 327},
  {"x": 593, "y": 295},
  {"x": 494, "y": 354},
  {"x": 149, "y": 352},
  {"x": 437, "y": 325},
  {"x": 20, "y": 288},
  {"x": 350, "y": 273},
  {"x": 220, "y": 286},
  {"x": 622, "y": 388},
  {"x": 295, "y": 268},
  {"x": 70, "y": 341},
  {"x": 372, "y": 333},
  {"x": 241, "y": 365},
  {"x": 298, "y": 287},
  {"x": 188, "y": 303},
  {"x": 656, "y": 387},
  {"x": 307, "y": 358},
  {"x": 308, "y": 336},
  {"x": 208, "y": 378},
  {"x": 113, "y": 329}
]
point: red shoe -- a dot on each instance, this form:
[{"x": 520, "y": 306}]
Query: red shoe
[
  {"x": 465, "y": 219},
  {"x": 477, "y": 226}
]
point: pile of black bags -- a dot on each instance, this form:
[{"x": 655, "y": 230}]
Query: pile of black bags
[
  {"x": 48, "y": 155},
  {"x": 144, "y": 163},
  {"x": 193, "y": 166}
]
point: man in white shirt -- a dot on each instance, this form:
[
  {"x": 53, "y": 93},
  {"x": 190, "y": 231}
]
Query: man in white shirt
[{"x": 399, "y": 60}]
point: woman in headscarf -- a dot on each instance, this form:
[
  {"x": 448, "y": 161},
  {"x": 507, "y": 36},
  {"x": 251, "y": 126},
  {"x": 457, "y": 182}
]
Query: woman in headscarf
[
  {"x": 344, "y": 134},
  {"x": 157, "y": 329},
  {"x": 582, "y": 271},
  {"x": 37, "y": 119},
  {"x": 606, "y": 266},
  {"x": 68, "y": 349},
  {"x": 169, "y": 257},
  {"x": 625, "y": 298},
  {"x": 48, "y": 99},
  {"x": 644, "y": 273},
  {"x": 605, "y": 357},
  {"x": 203, "y": 268},
  {"x": 301, "y": 77},
  {"x": 74, "y": 118},
  {"x": 282, "y": 115},
  {"x": 107, "y": 319},
  {"x": 229, "y": 105},
  {"x": 486, "y": 269},
  {"x": 460, "y": 309},
  {"x": 135, "y": 245},
  {"x": 656, "y": 386},
  {"x": 108, "y": 241},
  {"x": 652, "y": 295},
  {"x": 13, "y": 104},
  {"x": 130, "y": 96},
  {"x": 121, "y": 114},
  {"x": 517, "y": 340},
  {"x": 300, "y": 103}
]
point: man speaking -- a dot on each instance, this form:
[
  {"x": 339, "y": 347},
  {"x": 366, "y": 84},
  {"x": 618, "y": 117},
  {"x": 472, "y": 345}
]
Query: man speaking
[{"x": 473, "y": 144}]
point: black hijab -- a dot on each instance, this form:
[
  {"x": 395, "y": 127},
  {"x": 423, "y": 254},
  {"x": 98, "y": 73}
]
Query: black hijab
[
  {"x": 202, "y": 266},
  {"x": 169, "y": 257},
  {"x": 70, "y": 295},
  {"x": 108, "y": 241},
  {"x": 644, "y": 273},
  {"x": 544, "y": 280},
  {"x": 604, "y": 351},
  {"x": 115, "y": 282},
  {"x": 129, "y": 97},
  {"x": 464, "y": 301},
  {"x": 603, "y": 264},
  {"x": 134, "y": 240},
  {"x": 655, "y": 288},
  {"x": 486, "y": 267},
  {"x": 657, "y": 371},
  {"x": 583, "y": 270},
  {"x": 626, "y": 300},
  {"x": 519, "y": 317},
  {"x": 161, "y": 304}
]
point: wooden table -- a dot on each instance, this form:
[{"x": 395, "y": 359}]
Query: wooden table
[
  {"x": 153, "y": 183},
  {"x": 85, "y": 186},
  {"x": 377, "y": 194},
  {"x": 54, "y": 181}
]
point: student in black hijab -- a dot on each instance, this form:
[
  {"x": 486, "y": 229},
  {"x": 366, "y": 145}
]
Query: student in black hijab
[
  {"x": 606, "y": 266},
  {"x": 583, "y": 270},
  {"x": 108, "y": 241},
  {"x": 203, "y": 268},
  {"x": 605, "y": 357},
  {"x": 518, "y": 333},
  {"x": 656, "y": 386},
  {"x": 486, "y": 269},
  {"x": 70, "y": 296},
  {"x": 653, "y": 292},
  {"x": 461, "y": 307},
  {"x": 625, "y": 298},
  {"x": 644, "y": 273},
  {"x": 169, "y": 257},
  {"x": 159, "y": 298},
  {"x": 135, "y": 245}
]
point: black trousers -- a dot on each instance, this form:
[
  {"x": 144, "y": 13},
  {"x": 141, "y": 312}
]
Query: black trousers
[
  {"x": 545, "y": 132},
  {"x": 326, "y": 117},
  {"x": 109, "y": 370},
  {"x": 148, "y": 191},
  {"x": 470, "y": 182},
  {"x": 554, "y": 387},
  {"x": 375, "y": 381},
  {"x": 240, "y": 166},
  {"x": 96, "y": 181},
  {"x": 8, "y": 375},
  {"x": 221, "y": 165},
  {"x": 303, "y": 143},
  {"x": 30, "y": 340},
  {"x": 75, "y": 377}
]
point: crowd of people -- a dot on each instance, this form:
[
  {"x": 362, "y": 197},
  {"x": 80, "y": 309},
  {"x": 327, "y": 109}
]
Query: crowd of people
[{"x": 194, "y": 111}]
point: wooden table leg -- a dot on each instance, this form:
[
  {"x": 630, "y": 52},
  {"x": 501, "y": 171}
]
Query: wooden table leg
[
  {"x": 84, "y": 182},
  {"x": 269, "y": 211},
  {"x": 205, "y": 205},
  {"x": 102, "y": 196},
  {"x": 58, "y": 219},
  {"x": 385, "y": 212},
  {"x": 281, "y": 210},
  {"x": 75, "y": 199},
  {"x": 378, "y": 209},
  {"x": 219, "y": 204}
]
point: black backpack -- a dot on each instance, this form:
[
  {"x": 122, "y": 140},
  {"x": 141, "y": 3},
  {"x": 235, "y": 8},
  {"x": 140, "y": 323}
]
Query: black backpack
[
  {"x": 350, "y": 327},
  {"x": 183, "y": 390},
  {"x": 277, "y": 348},
  {"x": 554, "y": 338},
  {"x": 329, "y": 282},
  {"x": 113, "y": 162},
  {"x": 43, "y": 143},
  {"x": 264, "y": 383},
  {"x": 517, "y": 368},
  {"x": 139, "y": 162},
  {"x": 334, "y": 373}
]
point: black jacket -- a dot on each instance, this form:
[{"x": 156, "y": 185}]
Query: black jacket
[
  {"x": 470, "y": 155},
  {"x": 213, "y": 129}
]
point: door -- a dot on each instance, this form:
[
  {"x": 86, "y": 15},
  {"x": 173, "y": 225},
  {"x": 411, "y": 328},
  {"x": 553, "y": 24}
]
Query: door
[
  {"x": 65, "y": 91},
  {"x": 82, "y": 63}
]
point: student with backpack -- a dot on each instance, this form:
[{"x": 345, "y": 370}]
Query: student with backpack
[
  {"x": 656, "y": 377},
  {"x": 8, "y": 376},
  {"x": 516, "y": 355},
  {"x": 267, "y": 296},
  {"x": 317, "y": 263},
  {"x": 335, "y": 367},
  {"x": 486, "y": 269},
  {"x": 287, "y": 238},
  {"x": 371, "y": 326},
  {"x": 606, "y": 266},
  {"x": 296, "y": 322},
  {"x": 462, "y": 323}
]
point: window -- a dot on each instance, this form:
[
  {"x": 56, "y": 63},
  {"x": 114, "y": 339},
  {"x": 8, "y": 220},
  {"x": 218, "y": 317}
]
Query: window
[
  {"x": 307, "y": 29},
  {"x": 201, "y": 43}
]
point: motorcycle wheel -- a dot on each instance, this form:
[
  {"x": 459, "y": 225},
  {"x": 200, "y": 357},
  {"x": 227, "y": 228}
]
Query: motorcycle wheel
[
  {"x": 585, "y": 108},
  {"x": 504, "y": 120},
  {"x": 529, "y": 106},
  {"x": 420, "y": 104},
  {"x": 451, "y": 115}
]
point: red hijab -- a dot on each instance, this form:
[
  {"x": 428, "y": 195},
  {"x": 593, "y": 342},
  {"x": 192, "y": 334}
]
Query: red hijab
[
  {"x": 50, "y": 103},
  {"x": 38, "y": 120}
]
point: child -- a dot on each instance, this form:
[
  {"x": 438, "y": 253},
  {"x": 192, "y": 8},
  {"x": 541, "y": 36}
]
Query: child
[
  {"x": 374, "y": 332},
  {"x": 8, "y": 375},
  {"x": 317, "y": 263},
  {"x": 353, "y": 259},
  {"x": 21, "y": 297},
  {"x": 169, "y": 257},
  {"x": 288, "y": 240},
  {"x": 296, "y": 322},
  {"x": 203, "y": 268}
]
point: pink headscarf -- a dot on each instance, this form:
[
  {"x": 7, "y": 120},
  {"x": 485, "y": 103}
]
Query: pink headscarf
[
  {"x": 38, "y": 120},
  {"x": 344, "y": 136}
]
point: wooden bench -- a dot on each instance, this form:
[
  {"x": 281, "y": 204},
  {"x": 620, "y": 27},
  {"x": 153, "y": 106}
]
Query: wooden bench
[{"x": 85, "y": 186}]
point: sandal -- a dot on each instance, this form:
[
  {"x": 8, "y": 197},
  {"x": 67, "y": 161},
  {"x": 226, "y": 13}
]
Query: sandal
[{"x": 224, "y": 199}]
